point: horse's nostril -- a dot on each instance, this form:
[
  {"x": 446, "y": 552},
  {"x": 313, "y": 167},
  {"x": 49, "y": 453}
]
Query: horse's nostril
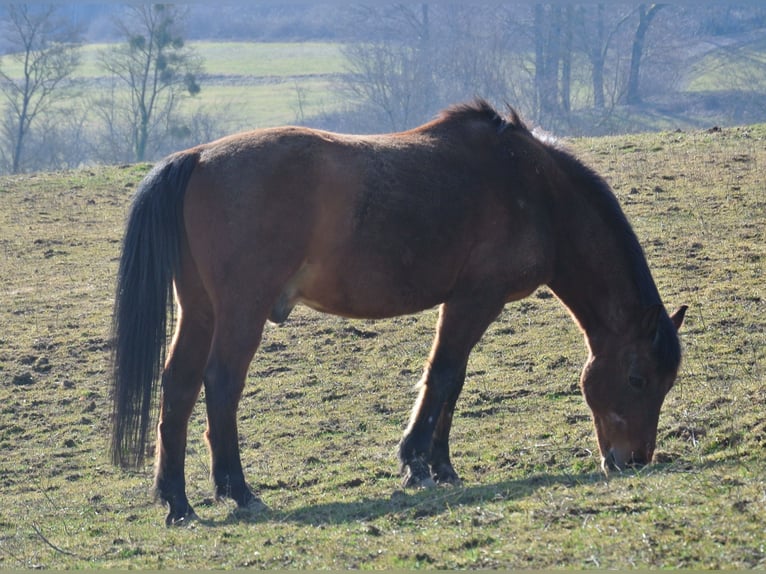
[
  {"x": 614, "y": 461},
  {"x": 640, "y": 459}
]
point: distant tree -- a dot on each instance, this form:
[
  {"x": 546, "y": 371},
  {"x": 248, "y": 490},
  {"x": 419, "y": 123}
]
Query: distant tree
[
  {"x": 613, "y": 51},
  {"x": 566, "y": 59},
  {"x": 645, "y": 17},
  {"x": 596, "y": 50},
  {"x": 474, "y": 50},
  {"x": 600, "y": 30},
  {"x": 393, "y": 75},
  {"x": 569, "y": 67},
  {"x": 43, "y": 47},
  {"x": 555, "y": 64},
  {"x": 408, "y": 61},
  {"x": 547, "y": 34},
  {"x": 155, "y": 70},
  {"x": 742, "y": 73}
]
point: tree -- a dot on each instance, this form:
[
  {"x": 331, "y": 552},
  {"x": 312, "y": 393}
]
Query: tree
[
  {"x": 597, "y": 56},
  {"x": 548, "y": 59},
  {"x": 554, "y": 30},
  {"x": 394, "y": 73},
  {"x": 645, "y": 17},
  {"x": 43, "y": 48},
  {"x": 600, "y": 33},
  {"x": 408, "y": 61},
  {"x": 566, "y": 60},
  {"x": 156, "y": 69}
]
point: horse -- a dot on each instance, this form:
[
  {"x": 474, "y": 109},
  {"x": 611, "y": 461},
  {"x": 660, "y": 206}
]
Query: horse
[{"x": 467, "y": 212}]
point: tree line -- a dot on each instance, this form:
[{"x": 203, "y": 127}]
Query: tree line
[
  {"x": 571, "y": 68},
  {"x": 47, "y": 116},
  {"x": 568, "y": 67}
]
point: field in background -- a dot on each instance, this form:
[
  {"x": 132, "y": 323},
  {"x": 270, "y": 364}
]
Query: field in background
[
  {"x": 256, "y": 84},
  {"x": 260, "y": 84},
  {"x": 327, "y": 400},
  {"x": 244, "y": 84}
]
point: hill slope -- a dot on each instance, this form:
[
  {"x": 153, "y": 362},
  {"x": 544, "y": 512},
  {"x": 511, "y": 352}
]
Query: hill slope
[{"x": 327, "y": 400}]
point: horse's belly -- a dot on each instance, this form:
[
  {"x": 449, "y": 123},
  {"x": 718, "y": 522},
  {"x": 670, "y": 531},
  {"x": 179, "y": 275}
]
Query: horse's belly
[{"x": 356, "y": 290}]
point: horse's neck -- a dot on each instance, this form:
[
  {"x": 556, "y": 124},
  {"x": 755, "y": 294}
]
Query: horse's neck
[{"x": 596, "y": 273}]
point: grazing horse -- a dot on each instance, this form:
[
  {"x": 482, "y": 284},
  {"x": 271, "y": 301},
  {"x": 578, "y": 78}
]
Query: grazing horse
[{"x": 468, "y": 212}]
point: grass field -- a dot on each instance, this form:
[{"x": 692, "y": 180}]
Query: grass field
[
  {"x": 327, "y": 400},
  {"x": 733, "y": 69},
  {"x": 244, "y": 58},
  {"x": 244, "y": 84}
]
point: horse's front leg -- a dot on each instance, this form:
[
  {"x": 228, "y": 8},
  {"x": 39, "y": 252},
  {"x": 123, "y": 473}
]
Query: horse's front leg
[
  {"x": 440, "y": 381},
  {"x": 424, "y": 449},
  {"x": 442, "y": 470}
]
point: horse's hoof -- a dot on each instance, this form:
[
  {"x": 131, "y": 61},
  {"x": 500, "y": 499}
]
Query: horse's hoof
[
  {"x": 410, "y": 481},
  {"x": 416, "y": 475},
  {"x": 185, "y": 518},
  {"x": 445, "y": 474},
  {"x": 453, "y": 480}
]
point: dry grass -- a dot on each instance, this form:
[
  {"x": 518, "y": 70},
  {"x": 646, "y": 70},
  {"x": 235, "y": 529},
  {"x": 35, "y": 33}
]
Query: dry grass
[{"x": 327, "y": 400}]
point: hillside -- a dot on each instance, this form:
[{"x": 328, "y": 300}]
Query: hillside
[
  {"x": 327, "y": 399},
  {"x": 389, "y": 67}
]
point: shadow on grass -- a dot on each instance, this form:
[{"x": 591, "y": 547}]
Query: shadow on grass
[{"x": 410, "y": 504}]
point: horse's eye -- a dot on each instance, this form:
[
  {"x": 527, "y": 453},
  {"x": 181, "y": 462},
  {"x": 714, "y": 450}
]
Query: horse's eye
[{"x": 638, "y": 383}]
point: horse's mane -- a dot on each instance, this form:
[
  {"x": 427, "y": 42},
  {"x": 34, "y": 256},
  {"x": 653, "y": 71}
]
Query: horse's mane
[
  {"x": 587, "y": 181},
  {"x": 480, "y": 109},
  {"x": 602, "y": 198}
]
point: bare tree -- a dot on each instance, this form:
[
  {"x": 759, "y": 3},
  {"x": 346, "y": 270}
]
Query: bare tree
[
  {"x": 43, "y": 48},
  {"x": 554, "y": 39},
  {"x": 61, "y": 138},
  {"x": 566, "y": 60},
  {"x": 597, "y": 54},
  {"x": 473, "y": 48},
  {"x": 743, "y": 71},
  {"x": 602, "y": 37},
  {"x": 547, "y": 60},
  {"x": 410, "y": 61},
  {"x": 393, "y": 74},
  {"x": 645, "y": 17},
  {"x": 567, "y": 66},
  {"x": 156, "y": 69}
]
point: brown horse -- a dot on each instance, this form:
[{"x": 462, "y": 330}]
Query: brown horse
[{"x": 469, "y": 212}]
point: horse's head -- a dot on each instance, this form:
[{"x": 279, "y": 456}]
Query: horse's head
[{"x": 625, "y": 382}]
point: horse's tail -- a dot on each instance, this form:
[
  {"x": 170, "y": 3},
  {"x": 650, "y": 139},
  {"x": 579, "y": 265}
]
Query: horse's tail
[{"x": 150, "y": 259}]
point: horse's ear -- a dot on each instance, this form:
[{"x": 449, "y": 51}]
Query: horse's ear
[{"x": 678, "y": 316}]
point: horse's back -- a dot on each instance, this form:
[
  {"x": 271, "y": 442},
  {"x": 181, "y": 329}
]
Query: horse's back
[{"x": 364, "y": 226}]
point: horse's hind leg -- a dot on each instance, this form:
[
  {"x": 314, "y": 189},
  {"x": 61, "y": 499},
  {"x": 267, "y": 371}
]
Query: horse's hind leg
[
  {"x": 181, "y": 383},
  {"x": 424, "y": 449},
  {"x": 237, "y": 336}
]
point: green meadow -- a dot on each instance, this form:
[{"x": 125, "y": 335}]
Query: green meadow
[
  {"x": 327, "y": 400},
  {"x": 240, "y": 58},
  {"x": 244, "y": 84}
]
